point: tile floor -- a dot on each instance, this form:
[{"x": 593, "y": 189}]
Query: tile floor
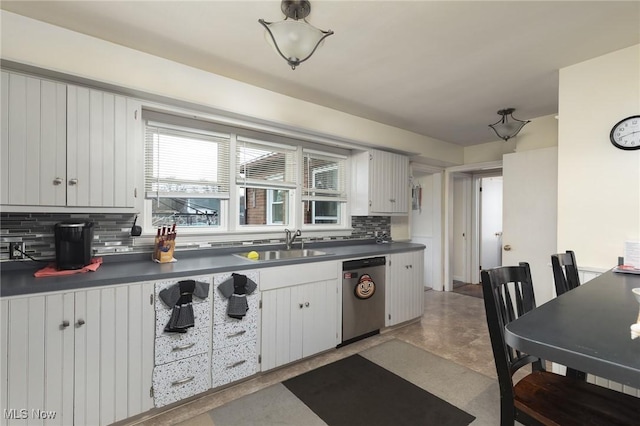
[{"x": 452, "y": 327}]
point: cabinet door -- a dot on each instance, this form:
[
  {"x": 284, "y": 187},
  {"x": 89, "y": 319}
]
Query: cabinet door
[
  {"x": 33, "y": 141},
  {"x": 298, "y": 321},
  {"x": 380, "y": 183},
  {"x": 389, "y": 183},
  {"x": 100, "y": 153},
  {"x": 319, "y": 316},
  {"x": 38, "y": 357},
  {"x": 281, "y": 328},
  {"x": 114, "y": 358},
  {"x": 405, "y": 287}
]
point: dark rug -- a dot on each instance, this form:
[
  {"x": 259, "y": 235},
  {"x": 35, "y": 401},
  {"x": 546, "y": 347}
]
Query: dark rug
[
  {"x": 474, "y": 290},
  {"x": 356, "y": 391}
]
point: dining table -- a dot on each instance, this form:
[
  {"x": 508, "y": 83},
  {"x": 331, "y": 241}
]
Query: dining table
[{"x": 587, "y": 329}]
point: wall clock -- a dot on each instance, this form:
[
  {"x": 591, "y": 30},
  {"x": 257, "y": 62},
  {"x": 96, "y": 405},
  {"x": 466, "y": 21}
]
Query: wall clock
[{"x": 625, "y": 134}]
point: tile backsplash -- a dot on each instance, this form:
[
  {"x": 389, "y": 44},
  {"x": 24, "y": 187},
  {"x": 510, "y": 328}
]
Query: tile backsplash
[{"x": 111, "y": 232}]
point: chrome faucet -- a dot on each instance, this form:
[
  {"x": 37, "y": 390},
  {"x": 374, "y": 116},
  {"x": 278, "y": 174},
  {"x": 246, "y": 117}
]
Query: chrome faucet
[{"x": 289, "y": 237}]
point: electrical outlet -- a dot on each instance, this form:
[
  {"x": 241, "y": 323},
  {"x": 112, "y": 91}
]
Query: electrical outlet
[{"x": 16, "y": 250}]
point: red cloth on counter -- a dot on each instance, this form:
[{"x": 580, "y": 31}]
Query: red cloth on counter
[{"x": 51, "y": 270}]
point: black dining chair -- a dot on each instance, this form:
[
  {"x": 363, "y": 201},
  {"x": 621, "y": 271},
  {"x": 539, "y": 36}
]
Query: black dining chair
[
  {"x": 541, "y": 397},
  {"x": 565, "y": 271},
  {"x": 565, "y": 276}
]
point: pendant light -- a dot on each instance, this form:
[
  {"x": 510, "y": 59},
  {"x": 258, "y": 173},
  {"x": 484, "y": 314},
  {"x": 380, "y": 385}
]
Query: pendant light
[
  {"x": 508, "y": 126},
  {"x": 294, "y": 38}
]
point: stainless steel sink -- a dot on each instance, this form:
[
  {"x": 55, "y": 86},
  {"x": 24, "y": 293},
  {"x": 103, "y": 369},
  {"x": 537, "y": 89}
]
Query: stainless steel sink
[{"x": 283, "y": 254}]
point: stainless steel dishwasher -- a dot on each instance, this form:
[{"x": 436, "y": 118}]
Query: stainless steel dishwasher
[{"x": 363, "y": 287}]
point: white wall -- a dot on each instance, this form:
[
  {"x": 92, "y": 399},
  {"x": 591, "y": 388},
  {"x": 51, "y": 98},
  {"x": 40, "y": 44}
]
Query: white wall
[
  {"x": 598, "y": 184},
  {"x": 36, "y": 43},
  {"x": 426, "y": 226}
]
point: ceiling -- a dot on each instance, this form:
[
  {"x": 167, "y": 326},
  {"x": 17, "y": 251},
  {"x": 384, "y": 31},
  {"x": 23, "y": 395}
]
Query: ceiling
[{"x": 438, "y": 68}]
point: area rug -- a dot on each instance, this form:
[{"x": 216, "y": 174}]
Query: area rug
[
  {"x": 474, "y": 290},
  {"x": 356, "y": 391}
]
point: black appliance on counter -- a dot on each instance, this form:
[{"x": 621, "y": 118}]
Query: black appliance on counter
[{"x": 73, "y": 244}]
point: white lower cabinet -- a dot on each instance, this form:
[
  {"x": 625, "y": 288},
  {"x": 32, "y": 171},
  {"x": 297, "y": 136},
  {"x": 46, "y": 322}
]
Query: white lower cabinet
[
  {"x": 299, "y": 312},
  {"x": 235, "y": 340},
  {"x": 80, "y": 358},
  {"x": 182, "y": 359},
  {"x": 404, "y": 287}
]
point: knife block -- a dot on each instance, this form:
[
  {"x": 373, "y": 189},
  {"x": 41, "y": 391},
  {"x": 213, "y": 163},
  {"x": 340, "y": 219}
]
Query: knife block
[{"x": 163, "y": 248}]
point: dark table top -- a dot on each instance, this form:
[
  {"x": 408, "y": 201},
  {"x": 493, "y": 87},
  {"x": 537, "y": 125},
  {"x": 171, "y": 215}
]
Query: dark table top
[{"x": 587, "y": 328}]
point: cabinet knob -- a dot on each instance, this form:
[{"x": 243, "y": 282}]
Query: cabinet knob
[
  {"x": 301, "y": 306},
  {"x": 393, "y": 200},
  {"x": 80, "y": 323},
  {"x": 306, "y": 304},
  {"x": 64, "y": 324},
  {"x": 73, "y": 182},
  {"x": 507, "y": 247},
  {"x": 57, "y": 181}
]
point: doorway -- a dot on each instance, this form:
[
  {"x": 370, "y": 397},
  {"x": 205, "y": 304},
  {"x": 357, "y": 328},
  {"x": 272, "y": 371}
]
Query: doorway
[
  {"x": 470, "y": 203},
  {"x": 490, "y": 218}
]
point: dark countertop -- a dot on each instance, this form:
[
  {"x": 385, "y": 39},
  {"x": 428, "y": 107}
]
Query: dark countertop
[{"x": 18, "y": 279}]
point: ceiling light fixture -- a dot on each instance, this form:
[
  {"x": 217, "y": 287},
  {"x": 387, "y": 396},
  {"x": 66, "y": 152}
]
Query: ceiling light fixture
[
  {"x": 508, "y": 126},
  {"x": 295, "y": 40}
]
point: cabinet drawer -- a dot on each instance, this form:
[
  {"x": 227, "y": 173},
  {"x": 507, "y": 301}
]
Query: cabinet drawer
[
  {"x": 159, "y": 286},
  {"x": 228, "y": 334},
  {"x": 233, "y": 363},
  {"x": 201, "y": 314},
  {"x": 178, "y": 346},
  {"x": 291, "y": 275},
  {"x": 181, "y": 379}
]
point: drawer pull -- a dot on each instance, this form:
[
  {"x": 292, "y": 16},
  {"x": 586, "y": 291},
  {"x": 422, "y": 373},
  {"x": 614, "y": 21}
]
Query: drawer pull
[
  {"x": 239, "y": 333},
  {"x": 183, "y": 381},
  {"x": 183, "y": 347},
  {"x": 236, "y": 364}
]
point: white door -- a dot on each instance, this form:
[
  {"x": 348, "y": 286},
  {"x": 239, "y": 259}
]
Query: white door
[
  {"x": 530, "y": 214},
  {"x": 460, "y": 255},
  {"x": 490, "y": 223}
]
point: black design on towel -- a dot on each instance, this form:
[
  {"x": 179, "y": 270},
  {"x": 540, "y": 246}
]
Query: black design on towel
[
  {"x": 236, "y": 289},
  {"x": 179, "y": 298}
]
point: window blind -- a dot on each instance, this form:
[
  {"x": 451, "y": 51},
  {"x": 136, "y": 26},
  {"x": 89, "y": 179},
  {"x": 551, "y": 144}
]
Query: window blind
[
  {"x": 182, "y": 162},
  {"x": 324, "y": 177},
  {"x": 261, "y": 163}
]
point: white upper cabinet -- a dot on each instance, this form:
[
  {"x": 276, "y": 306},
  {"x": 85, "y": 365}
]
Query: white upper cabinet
[
  {"x": 33, "y": 141},
  {"x": 380, "y": 184},
  {"x": 99, "y": 157},
  {"x": 67, "y": 146}
]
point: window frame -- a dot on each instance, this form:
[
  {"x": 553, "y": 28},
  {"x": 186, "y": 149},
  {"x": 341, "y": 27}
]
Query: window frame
[{"x": 230, "y": 228}]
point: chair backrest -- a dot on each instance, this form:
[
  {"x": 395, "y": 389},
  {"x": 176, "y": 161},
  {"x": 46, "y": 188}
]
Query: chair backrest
[
  {"x": 508, "y": 294},
  {"x": 565, "y": 276},
  {"x": 565, "y": 271}
]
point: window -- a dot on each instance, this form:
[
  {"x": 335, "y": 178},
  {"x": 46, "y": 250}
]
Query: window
[
  {"x": 324, "y": 194},
  {"x": 215, "y": 179},
  {"x": 266, "y": 174},
  {"x": 186, "y": 175}
]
